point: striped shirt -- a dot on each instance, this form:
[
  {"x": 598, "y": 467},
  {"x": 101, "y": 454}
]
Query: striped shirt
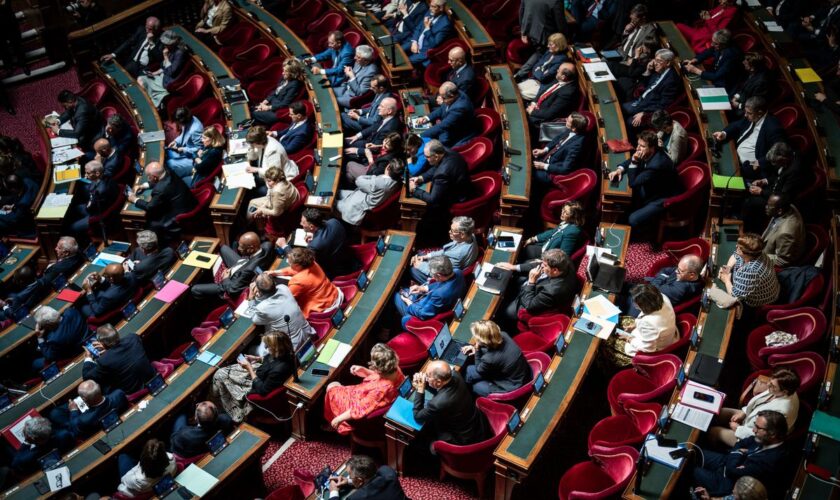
[{"x": 755, "y": 282}]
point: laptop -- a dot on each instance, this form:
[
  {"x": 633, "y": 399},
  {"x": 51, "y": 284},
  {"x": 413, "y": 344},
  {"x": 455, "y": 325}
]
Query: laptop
[
  {"x": 190, "y": 353},
  {"x": 183, "y": 250},
  {"x": 606, "y": 277},
  {"x": 158, "y": 280},
  {"x": 227, "y": 317},
  {"x": 447, "y": 348},
  {"x": 110, "y": 421},
  {"x": 50, "y": 372},
  {"x": 50, "y": 461},
  {"x": 156, "y": 385},
  {"x": 362, "y": 282},
  {"x": 217, "y": 443}
]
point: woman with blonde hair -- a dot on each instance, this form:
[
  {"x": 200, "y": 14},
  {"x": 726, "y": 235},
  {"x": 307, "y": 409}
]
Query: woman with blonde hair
[
  {"x": 280, "y": 197},
  {"x": 499, "y": 365},
  {"x": 541, "y": 69},
  {"x": 208, "y": 156},
  {"x": 285, "y": 93},
  {"x": 379, "y": 388}
]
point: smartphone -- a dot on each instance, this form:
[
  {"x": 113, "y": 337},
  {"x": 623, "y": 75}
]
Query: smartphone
[
  {"x": 321, "y": 372},
  {"x": 240, "y": 358},
  {"x": 679, "y": 453},
  {"x": 102, "y": 447},
  {"x": 325, "y": 194},
  {"x": 704, "y": 397}
]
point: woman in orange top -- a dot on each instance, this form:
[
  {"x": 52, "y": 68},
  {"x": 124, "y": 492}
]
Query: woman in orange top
[
  {"x": 310, "y": 286},
  {"x": 378, "y": 389}
]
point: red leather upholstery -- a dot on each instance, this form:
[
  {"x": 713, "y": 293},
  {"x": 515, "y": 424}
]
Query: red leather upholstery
[
  {"x": 605, "y": 476},
  {"x": 94, "y": 92},
  {"x": 489, "y": 123},
  {"x": 806, "y": 323},
  {"x": 477, "y": 152},
  {"x": 682, "y": 210},
  {"x": 412, "y": 345},
  {"x": 539, "y": 362},
  {"x": 578, "y": 185},
  {"x": 264, "y": 406},
  {"x": 209, "y": 112},
  {"x": 627, "y": 429},
  {"x": 685, "y": 323},
  {"x": 365, "y": 253},
  {"x": 696, "y": 147},
  {"x": 353, "y": 37},
  {"x": 349, "y": 292},
  {"x": 234, "y": 39},
  {"x": 789, "y": 115},
  {"x": 809, "y": 296},
  {"x": 816, "y": 241},
  {"x": 435, "y": 74},
  {"x": 542, "y": 333},
  {"x": 481, "y": 208},
  {"x": 479, "y": 91},
  {"x": 652, "y": 377},
  {"x": 255, "y": 55},
  {"x": 684, "y": 117},
  {"x": 190, "y": 91},
  {"x": 810, "y": 367}
]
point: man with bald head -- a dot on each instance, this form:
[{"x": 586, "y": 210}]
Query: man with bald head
[
  {"x": 374, "y": 134},
  {"x": 107, "y": 291},
  {"x": 84, "y": 423},
  {"x": 555, "y": 99},
  {"x": 170, "y": 197},
  {"x": 108, "y": 156},
  {"x": 679, "y": 283},
  {"x": 453, "y": 121},
  {"x": 451, "y": 414},
  {"x": 141, "y": 50},
  {"x": 241, "y": 267},
  {"x": 461, "y": 74},
  {"x": 191, "y": 440},
  {"x": 91, "y": 199}
]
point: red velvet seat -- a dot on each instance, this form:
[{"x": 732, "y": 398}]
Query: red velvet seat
[
  {"x": 369, "y": 431},
  {"x": 685, "y": 323},
  {"x": 652, "y": 377},
  {"x": 816, "y": 241},
  {"x": 412, "y": 345},
  {"x": 435, "y": 74},
  {"x": 479, "y": 92},
  {"x": 807, "y": 324},
  {"x": 477, "y": 152},
  {"x": 684, "y": 117},
  {"x": 815, "y": 190},
  {"x": 190, "y": 91},
  {"x": 94, "y": 92},
  {"x": 197, "y": 219},
  {"x": 365, "y": 253},
  {"x": 353, "y": 37},
  {"x": 322, "y": 328},
  {"x": 489, "y": 123},
  {"x": 301, "y": 14},
  {"x": 539, "y": 362},
  {"x": 481, "y": 208},
  {"x": 184, "y": 462},
  {"x": 681, "y": 210},
  {"x": 349, "y": 292},
  {"x": 254, "y": 55},
  {"x": 517, "y": 52},
  {"x": 209, "y": 112},
  {"x": 696, "y": 148},
  {"x": 782, "y": 93},
  {"x": 789, "y": 115},
  {"x": 627, "y": 429},
  {"x": 234, "y": 39},
  {"x": 318, "y": 30},
  {"x": 382, "y": 217},
  {"x": 269, "y": 407},
  {"x": 475, "y": 461},
  {"x": 440, "y": 54},
  {"x": 542, "y": 333},
  {"x": 285, "y": 223},
  {"x": 578, "y": 185},
  {"x": 271, "y": 72},
  {"x": 744, "y": 41},
  {"x": 605, "y": 476},
  {"x": 810, "y": 367},
  {"x": 801, "y": 140},
  {"x": 810, "y": 296},
  {"x": 108, "y": 112}
]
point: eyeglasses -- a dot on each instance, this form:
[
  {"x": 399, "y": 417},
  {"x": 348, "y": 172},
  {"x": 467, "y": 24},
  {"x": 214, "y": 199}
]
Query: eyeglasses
[{"x": 758, "y": 427}]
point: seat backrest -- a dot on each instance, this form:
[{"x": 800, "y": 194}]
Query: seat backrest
[
  {"x": 661, "y": 369},
  {"x": 353, "y": 37},
  {"x": 497, "y": 414},
  {"x": 802, "y": 322},
  {"x": 539, "y": 362},
  {"x": 695, "y": 246},
  {"x": 479, "y": 91},
  {"x": 696, "y": 147},
  {"x": 209, "y": 111},
  {"x": 816, "y": 241},
  {"x": 744, "y": 41},
  {"x": 475, "y": 152},
  {"x": 488, "y": 185},
  {"x": 788, "y": 115},
  {"x": 365, "y": 252},
  {"x": 684, "y": 117},
  {"x": 619, "y": 463},
  {"x": 810, "y": 367},
  {"x": 489, "y": 122},
  {"x": 645, "y": 415},
  {"x": 94, "y": 92}
]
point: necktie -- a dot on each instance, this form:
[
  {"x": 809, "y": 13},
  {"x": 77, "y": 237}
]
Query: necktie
[
  {"x": 650, "y": 89},
  {"x": 594, "y": 9},
  {"x": 547, "y": 93},
  {"x": 745, "y": 134}
]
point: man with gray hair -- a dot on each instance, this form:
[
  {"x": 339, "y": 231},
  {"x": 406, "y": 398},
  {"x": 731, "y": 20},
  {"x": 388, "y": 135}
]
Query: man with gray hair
[
  {"x": 679, "y": 283},
  {"x": 275, "y": 308},
  {"x": 663, "y": 86},
  {"x": 40, "y": 439},
  {"x": 59, "y": 335},
  {"x": 725, "y": 57},
  {"x": 148, "y": 257},
  {"x": 122, "y": 362},
  {"x": 358, "y": 76},
  {"x": 92, "y": 199},
  {"x": 462, "y": 249},
  {"x": 68, "y": 260},
  {"x": 81, "y": 416},
  {"x": 374, "y": 134},
  {"x": 453, "y": 121},
  {"x": 141, "y": 50},
  {"x": 170, "y": 198},
  {"x": 438, "y": 294},
  {"x": 435, "y": 29},
  {"x": 754, "y": 135}
]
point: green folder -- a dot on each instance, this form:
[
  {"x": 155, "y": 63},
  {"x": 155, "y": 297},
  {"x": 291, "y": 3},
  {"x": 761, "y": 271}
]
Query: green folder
[
  {"x": 328, "y": 351},
  {"x": 825, "y": 425},
  {"x": 728, "y": 182}
]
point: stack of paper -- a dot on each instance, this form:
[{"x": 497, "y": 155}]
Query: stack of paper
[
  {"x": 103, "y": 259},
  {"x": 60, "y": 142},
  {"x": 300, "y": 238},
  {"x": 152, "y": 136},
  {"x": 209, "y": 358},
  {"x": 67, "y": 173},
  {"x": 54, "y": 206},
  {"x": 773, "y": 27},
  {"x": 237, "y": 147},
  {"x": 245, "y": 309},
  {"x": 714, "y": 99},
  {"x": 333, "y": 140},
  {"x": 236, "y": 176},
  {"x": 662, "y": 454},
  {"x": 598, "y": 72},
  {"x": 601, "y": 307},
  {"x": 698, "y": 405},
  {"x": 333, "y": 353},
  {"x": 606, "y": 326},
  {"x": 65, "y": 154}
]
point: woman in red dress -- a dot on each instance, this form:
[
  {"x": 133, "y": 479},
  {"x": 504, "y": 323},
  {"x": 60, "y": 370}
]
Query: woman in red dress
[
  {"x": 699, "y": 36},
  {"x": 379, "y": 389}
]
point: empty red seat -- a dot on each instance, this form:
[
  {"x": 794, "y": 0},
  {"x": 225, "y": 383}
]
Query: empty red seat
[
  {"x": 489, "y": 123},
  {"x": 477, "y": 152},
  {"x": 482, "y": 207},
  {"x": 94, "y": 92},
  {"x": 681, "y": 210},
  {"x": 652, "y": 377},
  {"x": 209, "y": 112},
  {"x": 542, "y": 333},
  {"x": 254, "y": 55},
  {"x": 627, "y": 429},
  {"x": 605, "y": 476},
  {"x": 806, "y": 323},
  {"x": 578, "y": 185}
]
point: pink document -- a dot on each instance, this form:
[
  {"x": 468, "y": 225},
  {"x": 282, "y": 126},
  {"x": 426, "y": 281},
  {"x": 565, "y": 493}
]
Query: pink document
[{"x": 171, "y": 291}]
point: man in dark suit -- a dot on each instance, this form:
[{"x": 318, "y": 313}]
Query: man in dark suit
[
  {"x": 652, "y": 177},
  {"x": 439, "y": 294},
  {"x": 453, "y": 120},
  {"x": 540, "y": 18},
  {"x": 785, "y": 175},
  {"x": 356, "y": 120},
  {"x": 451, "y": 415},
  {"x": 149, "y": 258},
  {"x": 435, "y": 29},
  {"x": 461, "y": 74},
  {"x": 119, "y": 134},
  {"x": 556, "y": 99},
  {"x": 754, "y": 135},
  {"x": 108, "y": 291},
  {"x": 328, "y": 241},
  {"x": 448, "y": 174},
  {"x": 757, "y": 84},
  {"x": 723, "y": 68},
  {"x": 241, "y": 267},
  {"x": 408, "y": 17},
  {"x": 59, "y": 335},
  {"x": 170, "y": 198},
  {"x": 299, "y": 132},
  {"x": 191, "y": 440},
  {"x": 663, "y": 86},
  {"x": 560, "y": 156},
  {"x": 40, "y": 439},
  {"x": 376, "y": 132},
  {"x": 340, "y": 53},
  {"x": 122, "y": 362},
  {"x": 591, "y": 13},
  {"x": 68, "y": 261},
  {"x": 83, "y": 424},
  {"x": 679, "y": 283},
  {"x": 112, "y": 161},
  {"x": 761, "y": 456},
  {"x": 550, "y": 285},
  {"x": 91, "y": 199},
  {"x": 141, "y": 51},
  {"x": 368, "y": 482},
  {"x": 84, "y": 119},
  {"x": 287, "y": 90}
]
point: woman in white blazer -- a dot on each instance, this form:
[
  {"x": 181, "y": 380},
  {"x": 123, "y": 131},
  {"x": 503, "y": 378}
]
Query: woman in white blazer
[
  {"x": 779, "y": 395},
  {"x": 655, "y": 327},
  {"x": 266, "y": 152}
]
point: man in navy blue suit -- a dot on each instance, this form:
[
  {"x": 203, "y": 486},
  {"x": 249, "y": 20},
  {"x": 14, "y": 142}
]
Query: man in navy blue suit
[
  {"x": 356, "y": 120},
  {"x": 438, "y": 295},
  {"x": 555, "y": 99},
  {"x": 376, "y": 132},
  {"x": 59, "y": 335},
  {"x": 82, "y": 424},
  {"x": 434, "y": 30},
  {"x": 461, "y": 74},
  {"x": 409, "y": 16},
  {"x": 453, "y": 120},
  {"x": 723, "y": 71},
  {"x": 328, "y": 241},
  {"x": 122, "y": 362},
  {"x": 340, "y": 53},
  {"x": 41, "y": 439},
  {"x": 754, "y": 135},
  {"x": 560, "y": 156},
  {"x": 106, "y": 154},
  {"x": 191, "y": 440},
  {"x": 652, "y": 177},
  {"x": 299, "y": 133},
  {"x": 663, "y": 86},
  {"x": 91, "y": 199},
  {"x": 449, "y": 177},
  {"x": 108, "y": 291}
]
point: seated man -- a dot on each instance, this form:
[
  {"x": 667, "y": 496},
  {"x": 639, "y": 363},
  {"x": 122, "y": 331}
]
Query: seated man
[
  {"x": 787, "y": 174},
  {"x": 439, "y": 294},
  {"x": 551, "y": 285},
  {"x": 140, "y": 51},
  {"x": 170, "y": 198},
  {"x": 592, "y": 13},
  {"x": 68, "y": 261},
  {"x": 189, "y": 441},
  {"x": 275, "y": 308},
  {"x": 119, "y": 135},
  {"x": 678, "y": 283},
  {"x": 149, "y": 258},
  {"x": 451, "y": 414},
  {"x": 411, "y": 14},
  {"x": 59, "y": 335},
  {"x": 241, "y": 267},
  {"x": 761, "y": 456},
  {"x": 724, "y": 68},
  {"x": 108, "y": 156},
  {"x": 287, "y": 90},
  {"x": 358, "y": 76},
  {"x": 555, "y": 99},
  {"x": 91, "y": 199},
  {"x": 453, "y": 121},
  {"x": 652, "y": 177},
  {"x": 784, "y": 238},
  {"x": 447, "y": 173},
  {"x": 340, "y": 53},
  {"x": 672, "y": 137},
  {"x": 299, "y": 133},
  {"x": 366, "y": 481},
  {"x": 328, "y": 239},
  {"x": 40, "y": 439},
  {"x": 375, "y": 133},
  {"x": 107, "y": 292},
  {"x": 561, "y": 156},
  {"x": 663, "y": 87},
  {"x": 356, "y": 120},
  {"x": 461, "y": 74},
  {"x": 754, "y": 135},
  {"x": 16, "y": 215},
  {"x": 462, "y": 250},
  {"x": 122, "y": 362},
  {"x": 84, "y": 119},
  {"x": 13, "y": 291},
  {"x": 82, "y": 424},
  {"x": 435, "y": 29}
]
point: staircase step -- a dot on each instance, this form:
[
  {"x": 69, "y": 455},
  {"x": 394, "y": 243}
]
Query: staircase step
[
  {"x": 26, "y": 35},
  {"x": 32, "y": 55},
  {"x": 37, "y": 72}
]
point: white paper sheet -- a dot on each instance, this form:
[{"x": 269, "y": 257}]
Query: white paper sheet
[
  {"x": 58, "y": 478},
  {"x": 698, "y": 419},
  {"x": 598, "y": 67},
  {"x": 58, "y": 142},
  {"x": 601, "y": 307},
  {"x": 661, "y": 454},
  {"x": 687, "y": 397}
]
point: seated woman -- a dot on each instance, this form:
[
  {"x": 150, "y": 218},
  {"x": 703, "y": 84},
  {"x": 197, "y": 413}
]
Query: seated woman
[
  {"x": 312, "y": 289},
  {"x": 699, "y": 36},
  {"x": 138, "y": 478},
  {"x": 462, "y": 250},
  {"x": 208, "y": 156},
  {"x": 566, "y": 236},
  {"x": 174, "y": 57},
  {"x": 654, "y": 329},
  {"x": 287, "y": 90},
  {"x": 280, "y": 197},
  {"x": 265, "y": 152},
  {"x": 380, "y": 387},
  {"x": 778, "y": 394},
  {"x": 499, "y": 365},
  {"x": 415, "y": 154},
  {"x": 371, "y": 191},
  {"x": 392, "y": 148},
  {"x": 541, "y": 68},
  {"x": 749, "y": 275},
  {"x": 253, "y": 375}
]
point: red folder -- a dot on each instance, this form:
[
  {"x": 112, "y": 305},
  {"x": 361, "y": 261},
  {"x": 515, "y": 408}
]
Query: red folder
[
  {"x": 68, "y": 295},
  {"x": 10, "y": 436}
]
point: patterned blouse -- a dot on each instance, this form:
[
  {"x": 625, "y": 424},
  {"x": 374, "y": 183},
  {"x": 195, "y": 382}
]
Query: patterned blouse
[{"x": 755, "y": 282}]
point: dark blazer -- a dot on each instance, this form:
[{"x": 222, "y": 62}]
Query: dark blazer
[
  {"x": 146, "y": 266},
  {"x": 676, "y": 291},
  {"x": 19, "y": 221},
  {"x": 177, "y": 60},
  {"x": 42, "y": 286},
  {"x": 98, "y": 196},
  {"x": 789, "y": 181},
  {"x": 128, "y": 49},
  {"x": 410, "y": 22},
  {"x": 723, "y": 67},
  {"x": 112, "y": 164},
  {"x": 204, "y": 165},
  {"x": 375, "y": 134},
  {"x": 331, "y": 251},
  {"x": 450, "y": 182},
  {"x": 66, "y": 340},
  {"x": 170, "y": 197},
  {"x": 124, "y": 366},
  {"x": 286, "y": 96},
  {"x": 540, "y": 18},
  {"x": 560, "y": 103},
  {"x": 545, "y": 68},
  {"x": 653, "y": 179},
  {"x": 25, "y": 461},
  {"x": 295, "y": 140},
  {"x": 762, "y": 464},
  {"x": 547, "y": 294},
  {"x": 440, "y": 31},
  {"x": 756, "y": 85},
  {"x": 457, "y": 122},
  {"x": 86, "y": 122},
  {"x": 504, "y": 368},
  {"x": 122, "y": 143},
  {"x": 463, "y": 79},
  {"x": 565, "y": 239},
  {"x": 109, "y": 296},
  {"x": 82, "y": 425},
  {"x": 771, "y": 132},
  {"x": 452, "y": 414},
  {"x": 381, "y": 161},
  {"x": 238, "y": 281},
  {"x": 384, "y": 485},
  {"x": 272, "y": 374},
  {"x": 790, "y": 11},
  {"x": 340, "y": 58},
  {"x": 564, "y": 160},
  {"x": 660, "y": 97},
  {"x": 191, "y": 440}
]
